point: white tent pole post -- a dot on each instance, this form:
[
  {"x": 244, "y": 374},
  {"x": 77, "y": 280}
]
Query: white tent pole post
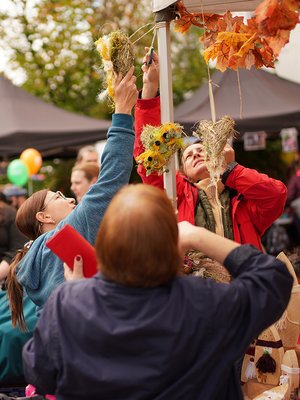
[{"x": 166, "y": 94}]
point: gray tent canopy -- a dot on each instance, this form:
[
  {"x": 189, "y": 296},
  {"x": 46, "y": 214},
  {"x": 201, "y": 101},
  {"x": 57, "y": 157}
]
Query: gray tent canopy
[
  {"x": 269, "y": 103},
  {"x": 27, "y": 121}
]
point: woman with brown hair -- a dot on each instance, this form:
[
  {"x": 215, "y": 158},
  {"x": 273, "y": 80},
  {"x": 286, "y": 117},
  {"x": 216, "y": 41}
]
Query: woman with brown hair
[
  {"x": 45, "y": 212},
  {"x": 142, "y": 330}
]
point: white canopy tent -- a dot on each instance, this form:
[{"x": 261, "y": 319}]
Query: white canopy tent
[
  {"x": 207, "y": 6},
  {"x": 165, "y": 12}
]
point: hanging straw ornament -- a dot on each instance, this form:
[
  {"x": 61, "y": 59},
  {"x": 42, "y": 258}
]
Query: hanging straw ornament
[
  {"x": 116, "y": 51},
  {"x": 214, "y": 137},
  {"x": 160, "y": 143}
]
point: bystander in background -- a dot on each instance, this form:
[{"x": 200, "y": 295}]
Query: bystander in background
[
  {"x": 87, "y": 154},
  {"x": 10, "y": 237},
  {"x": 83, "y": 176},
  {"x": 293, "y": 200},
  {"x": 16, "y": 195}
]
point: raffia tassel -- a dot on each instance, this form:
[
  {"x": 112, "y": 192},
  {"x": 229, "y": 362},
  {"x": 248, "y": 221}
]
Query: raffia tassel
[
  {"x": 283, "y": 379},
  {"x": 281, "y": 324},
  {"x": 266, "y": 363},
  {"x": 250, "y": 372}
]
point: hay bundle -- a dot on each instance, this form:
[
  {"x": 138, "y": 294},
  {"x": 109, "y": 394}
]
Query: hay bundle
[
  {"x": 116, "y": 52},
  {"x": 214, "y": 136}
]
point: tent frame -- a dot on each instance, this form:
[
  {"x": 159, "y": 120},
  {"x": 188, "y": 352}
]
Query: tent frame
[{"x": 163, "y": 19}]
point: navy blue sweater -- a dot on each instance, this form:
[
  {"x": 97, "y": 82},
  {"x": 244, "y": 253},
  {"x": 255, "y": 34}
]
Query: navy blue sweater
[{"x": 97, "y": 339}]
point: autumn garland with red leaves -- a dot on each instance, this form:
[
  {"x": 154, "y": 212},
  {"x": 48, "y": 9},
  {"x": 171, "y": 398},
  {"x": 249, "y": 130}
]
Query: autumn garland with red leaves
[{"x": 235, "y": 44}]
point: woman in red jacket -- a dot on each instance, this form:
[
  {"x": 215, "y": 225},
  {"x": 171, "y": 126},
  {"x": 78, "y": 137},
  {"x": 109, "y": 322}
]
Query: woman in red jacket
[{"x": 251, "y": 201}]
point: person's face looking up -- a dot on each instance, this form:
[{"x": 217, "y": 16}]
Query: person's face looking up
[
  {"x": 58, "y": 206},
  {"x": 193, "y": 163},
  {"x": 79, "y": 184}
]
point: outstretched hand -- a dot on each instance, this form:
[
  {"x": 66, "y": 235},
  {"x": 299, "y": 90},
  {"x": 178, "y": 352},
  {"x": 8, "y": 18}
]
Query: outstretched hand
[
  {"x": 126, "y": 93},
  {"x": 77, "y": 272},
  {"x": 186, "y": 235},
  {"x": 229, "y": 155},
  {"x": 150, "y": 75}
]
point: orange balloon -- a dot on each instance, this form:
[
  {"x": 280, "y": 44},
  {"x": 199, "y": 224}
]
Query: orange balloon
[{"x": 33, "y": 160}]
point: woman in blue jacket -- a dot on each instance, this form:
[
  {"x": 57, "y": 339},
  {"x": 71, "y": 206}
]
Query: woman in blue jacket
[{"x": 45, "y": 212}]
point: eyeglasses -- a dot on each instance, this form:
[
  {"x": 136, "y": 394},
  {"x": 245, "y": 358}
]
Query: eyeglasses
[
  {"x": 59, "y": 194},
  {"x": 53, "y": 197}
]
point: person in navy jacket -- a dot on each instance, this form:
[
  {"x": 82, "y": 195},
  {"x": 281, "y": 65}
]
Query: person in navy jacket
[{"x": 140, "y": 329}]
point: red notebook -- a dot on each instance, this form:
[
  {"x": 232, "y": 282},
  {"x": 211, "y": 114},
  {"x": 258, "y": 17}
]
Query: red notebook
[{"x": 67, "y": 243}]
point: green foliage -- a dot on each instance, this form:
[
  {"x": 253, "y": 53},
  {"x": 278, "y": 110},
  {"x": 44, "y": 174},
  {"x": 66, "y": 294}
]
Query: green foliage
[{"x": 52, "y": 42}]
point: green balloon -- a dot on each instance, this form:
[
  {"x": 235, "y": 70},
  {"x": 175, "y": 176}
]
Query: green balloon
[{"x": 17, "y": 172}]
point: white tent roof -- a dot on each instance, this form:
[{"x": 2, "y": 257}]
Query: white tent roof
[{"x": 215, "y": 6}]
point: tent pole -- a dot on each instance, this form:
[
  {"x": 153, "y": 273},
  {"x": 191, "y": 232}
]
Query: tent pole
[{"x": 163, "y": 19}]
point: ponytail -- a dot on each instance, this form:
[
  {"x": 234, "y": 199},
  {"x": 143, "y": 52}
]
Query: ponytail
[{"x": 15, "y": 291}]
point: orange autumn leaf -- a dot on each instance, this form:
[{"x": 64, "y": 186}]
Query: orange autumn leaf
[
  {"x": 274, "y": 18},
  {"x": 212, "y": 52},
  {"x": 248, "y": 45},
  {"x": 293, "y": 5},
  {"x": 277, "y": 42},
  {"x": 230, "y": 23},
  {"x": 252, "y": 25},
  {"x": 250, "y": 60},
  {"x": 183, "y": 24},
  {"x": 186, "y": 19},
  {"x": 282, "y": 18},
  {"x": 265, "y": 53},
  {"x": 265, "y": 9},
  {"x": 233, "y": 38},
  {"x": 223, "y": 57},
  {"x": 211, "y": 21}
]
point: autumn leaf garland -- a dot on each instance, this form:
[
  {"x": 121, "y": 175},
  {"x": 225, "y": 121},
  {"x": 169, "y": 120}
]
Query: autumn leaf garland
[{"x": 234, "y": 44}]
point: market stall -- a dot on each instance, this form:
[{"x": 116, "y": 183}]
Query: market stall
[{"x": 232, "y": 42}]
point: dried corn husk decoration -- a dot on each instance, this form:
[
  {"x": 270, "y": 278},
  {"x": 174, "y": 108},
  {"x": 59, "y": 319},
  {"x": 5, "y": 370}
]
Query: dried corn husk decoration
[
  {"x": 160, "y": 143},
  {"x": 116, "y": 51},
  {"x": 214, "y": 137}
]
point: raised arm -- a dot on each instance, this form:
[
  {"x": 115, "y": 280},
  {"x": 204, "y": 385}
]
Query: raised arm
[
  {"x": 265, "y": 197},
  {"x": 116, "y": 162},
  {"x": 47, "y": 269},
  {"x": 147, "y": 112},
  {"x": 198, "y": 238},
  {"x": 256, "y": 297}
]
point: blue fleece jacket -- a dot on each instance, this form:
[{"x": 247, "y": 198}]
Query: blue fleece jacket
[{"x": 41, "y": 271}]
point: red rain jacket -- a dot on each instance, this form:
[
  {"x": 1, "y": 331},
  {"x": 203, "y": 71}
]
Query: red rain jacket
[{"x": 259, "y": 200}]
